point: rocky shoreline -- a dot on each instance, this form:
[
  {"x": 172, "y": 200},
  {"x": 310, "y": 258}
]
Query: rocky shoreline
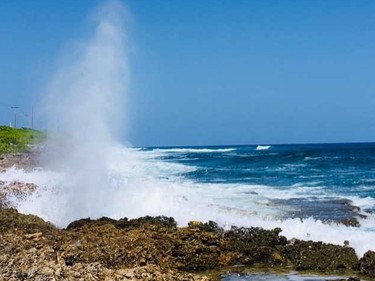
[
  {"x": 154, "y": 248},
  {"x": 151, "y": 248}
]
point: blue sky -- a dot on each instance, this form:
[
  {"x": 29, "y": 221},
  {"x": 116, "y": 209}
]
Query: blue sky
[{"x": 215, "y": 71}]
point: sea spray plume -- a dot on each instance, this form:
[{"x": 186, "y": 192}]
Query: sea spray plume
[{"x": 85, "y": 104}]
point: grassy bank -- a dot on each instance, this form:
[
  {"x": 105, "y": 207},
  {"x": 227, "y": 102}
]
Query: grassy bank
[{"x": 18, "y": 140}]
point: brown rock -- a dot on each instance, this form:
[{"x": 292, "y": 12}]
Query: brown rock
[
  {"x": 367, "y": 264},
  {"x": 153, "y": 249},
  {"x": 34, "y": 236}
]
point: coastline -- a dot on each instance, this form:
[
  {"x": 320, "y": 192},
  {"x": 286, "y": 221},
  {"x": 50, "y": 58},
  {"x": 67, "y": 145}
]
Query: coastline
[{"x": 152, "y": 248}]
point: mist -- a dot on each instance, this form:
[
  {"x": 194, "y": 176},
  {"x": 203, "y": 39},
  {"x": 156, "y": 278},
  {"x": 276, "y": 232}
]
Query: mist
[{"x": 84, "y": 109}]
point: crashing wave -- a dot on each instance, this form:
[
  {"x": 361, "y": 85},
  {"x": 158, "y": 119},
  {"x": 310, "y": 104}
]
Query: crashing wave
[
  {"x": 194, "y": 150},
  {"x": 263, "y": 147}
]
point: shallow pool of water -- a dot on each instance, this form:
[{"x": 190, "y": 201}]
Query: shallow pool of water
[{"x": 278, "y": 277}]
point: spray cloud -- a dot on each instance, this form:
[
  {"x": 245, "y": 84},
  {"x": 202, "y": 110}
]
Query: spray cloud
[{"x": 84, "y": 102}]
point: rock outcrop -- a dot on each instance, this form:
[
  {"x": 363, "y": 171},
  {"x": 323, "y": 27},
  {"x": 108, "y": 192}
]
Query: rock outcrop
[
  {"x": 31, "y": 249},
  {"x": 26, "y": 160},
  {"x": 154, "y": 249},
  {"x": 367, "y": 264},
  {"x": 16, "y": 190},
  {"x": 309, "y": 255}
]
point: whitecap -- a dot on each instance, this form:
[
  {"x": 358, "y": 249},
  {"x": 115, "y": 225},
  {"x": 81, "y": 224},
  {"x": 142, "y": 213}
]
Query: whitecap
[
  {"x": 263, "y": 147},
  {"x": 193, "y": 150}
]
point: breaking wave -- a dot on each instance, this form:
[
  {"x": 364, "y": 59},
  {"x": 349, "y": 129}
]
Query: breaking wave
[
  {"x": 193, "y": 150},
  {"x": 263, "y": 147}
]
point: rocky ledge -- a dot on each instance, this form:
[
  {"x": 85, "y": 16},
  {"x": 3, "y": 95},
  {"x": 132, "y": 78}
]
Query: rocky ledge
[
  {"x": 14, "y": 190},
  {"x": 27, "y": 160},
  {"x": 154, "y": 248}
]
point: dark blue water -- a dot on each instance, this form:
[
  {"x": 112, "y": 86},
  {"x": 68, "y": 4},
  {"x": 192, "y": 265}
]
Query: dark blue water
[
  {"x": 340, "y": 167},
  {"x": 316, "y": 178}
]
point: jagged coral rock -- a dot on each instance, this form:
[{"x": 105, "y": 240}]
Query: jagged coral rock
[
  {"x": 309, "y": 255},
  {"x": 152, "y": 249},
  {"x": 367, "y": 264}
]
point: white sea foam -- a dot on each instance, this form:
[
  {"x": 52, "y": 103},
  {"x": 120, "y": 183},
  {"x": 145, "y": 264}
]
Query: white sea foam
[
  {"x": 312, "y": 158},
  {"x": 193, "y": 150},
  {"x": 141, "y": 185},
  {"x": 263, "y": 147}
]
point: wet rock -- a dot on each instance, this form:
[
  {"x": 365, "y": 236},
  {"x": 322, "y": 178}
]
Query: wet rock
[
  {"x": 248, "y": 246},
  {"x": 25, "y": 160},
  {"x": 15, "y": 189},
  {"x": 367, "y": 264},
  {"x": 251, "y": 192},
  {"x": 240, "y": 238},
  {"x": 349, "y": 279},
  {"x": 209, "y": 226},
  {"x": 345, "y": 211},
  {"x": 368, "y": 211},
  {"x": 308, "y": 255},
  {"x": 196, "y": 249},
  {"x": 195, "y": 224},
  {"x": 147, "y": 221},
  {"x": 31, "y": 249},
  {"x": 154, "y": 249},
  {"x": 11, "y": 220},
  {"x": 144, "y": 222},
  {"x": 353, "y": 222},
  {"x": 88, "y": 221}
]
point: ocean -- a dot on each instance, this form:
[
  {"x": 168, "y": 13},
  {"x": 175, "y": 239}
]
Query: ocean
[
  {"x": 323, "y": 181},
  {"x": 317, "y": 183},
  {"x": 306, "y": 190},
  {"x": 309, "y": 189}
]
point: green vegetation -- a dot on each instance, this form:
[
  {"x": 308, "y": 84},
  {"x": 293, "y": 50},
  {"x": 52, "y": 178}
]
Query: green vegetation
[{"x": 18, "y": 140}]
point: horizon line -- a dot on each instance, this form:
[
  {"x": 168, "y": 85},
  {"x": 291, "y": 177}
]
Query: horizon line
[{"x": 256, "y": 144}]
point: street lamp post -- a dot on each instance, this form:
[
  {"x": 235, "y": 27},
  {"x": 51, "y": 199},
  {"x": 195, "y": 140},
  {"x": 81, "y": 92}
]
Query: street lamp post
[
  {"x": 15, "y": 115},
  {"x": 32, "y": 117}
]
